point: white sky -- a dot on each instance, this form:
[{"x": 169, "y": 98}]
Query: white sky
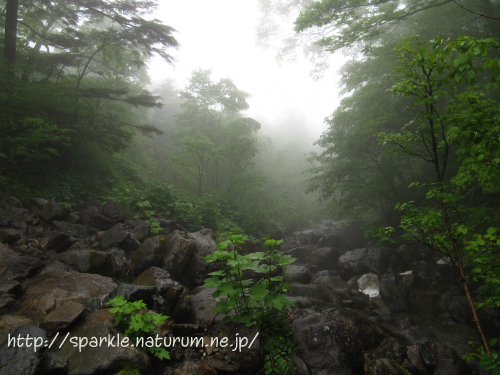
[{"x": 221, "y": 35}]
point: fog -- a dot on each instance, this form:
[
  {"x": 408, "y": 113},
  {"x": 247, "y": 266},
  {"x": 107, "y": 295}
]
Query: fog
[{"x": 221, "y": 35}]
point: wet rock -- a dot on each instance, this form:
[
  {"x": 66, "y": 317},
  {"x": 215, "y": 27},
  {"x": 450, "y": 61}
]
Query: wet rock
[
  {"x": 22, "y": 360},
  {"x": 141, "y": 230},
  {"x": 9, "y": 235},
  {"x": 179, "y": 249},
  {"x": 456, "y": 306},
  {"x": 133, "y": 293},
  {"x": 44, "y": 293},
  {"x": 60, "y": 242},
  {"x": 75, "y": 230},
  {"x": 361, "y": 261},
  {"x": 394, "y": 297},
  {"x": 119, "y": 236},
  {"x": 149, "y": 254},
  {"x": 89, "y": 261},
  {"x": 196, "y": 269},
  {"x": 324, "y": 258},
  {"x": 369, "y": 284},
  {"x": 54, "y": 364},
  {"x": 121, "y": 264},
  {"x": 113, "y": 210},
  {"x": 94, "y": 219},
  {"x": 201, "y": 303},
  {"x": 449, "y": 362},
  {"x": 62, "y": 316},
  {"x": 10, "y": 287},
  {"x": 298, "y": 274},
  {"x": 51, "y": 211},
  {"x": 104, "y": 359},
  {"x": 14, "y": 267},
  {"x": 168, "y": 289}
]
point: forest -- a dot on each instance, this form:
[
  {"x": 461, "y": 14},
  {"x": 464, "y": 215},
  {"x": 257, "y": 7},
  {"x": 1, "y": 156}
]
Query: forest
[{"x": 411, "y": 154}]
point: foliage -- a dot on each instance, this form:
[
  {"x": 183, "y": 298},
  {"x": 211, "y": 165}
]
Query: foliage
[
  {"x": 490, "y": 362},
  {"x": 136, "y": 323},
  {"x": 255, "y": 302}
]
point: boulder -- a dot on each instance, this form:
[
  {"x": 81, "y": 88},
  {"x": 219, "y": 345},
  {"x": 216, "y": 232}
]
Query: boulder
[
  {"x": 149, "y": 254},
  {"x": 91, "y": 217},
  {"x": 133, "y": 293},
  {"x": 113, "y": 210},
  {"x": 366, "y": 260},
  {"x": 89, "y": 261},
  {"x": 44, "y": 293},
  {"x": 141, "y": 230},
  {"x": 15, "y": 267},
  {"x": 103, "y": 359},
  {"x": 168, "y": 289},
  {"x": 394, "y": 297},
  {"x": 324, "y": 258},
  {"x": 22, "y": 360},
  {"x": 9, "y": 235},
  {"x": 200, "y": 304},
  {"x": 178, "y": 250},
  {"x": 369, "y": 284},
  {"x": 51, "y": 211},
  {"x": 62, "y": 316},
  {"x": 119, "y": 236},
  {"x": 297, "y": 274},
  {"x": 197, "y": 270},
  {"x": 60, "y": 242},
  {"x": 74, "y": 230}
]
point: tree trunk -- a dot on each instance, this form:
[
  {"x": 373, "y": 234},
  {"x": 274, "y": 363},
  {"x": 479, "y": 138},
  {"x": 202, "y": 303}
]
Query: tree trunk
[{"x": 10, "y": 48}]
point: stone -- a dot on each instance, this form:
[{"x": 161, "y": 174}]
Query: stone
[
  {"x": 23, "y": 360},
  {"x": 113, "y": 210},
  {"x": 54, "y": 363},
  {"x": 167, "y": 288},
  {"x": 51, "y": 211},
  {"x": 9, "y": 235},
  {"x": 62, "y": 316},
  {"x": 365, "y": 260},
  {"x": 133, "y": 293},
  {"x": 394, "y": 297},
  {"x": 369, "y": 284},
  {"x": 75, "y": 230},
  {"x": 456, "y": 306},
  {"x": 141, "y": 230},
  {"x": 119, "y": 236},
  {"x": 89, "y": 261},
  {"x": 298, "y": 274},
  {"x": 91, "y": 217},
  {"x": 104, "y": 359},
  {"x": 179, "y": 249},
  {"x": 201, "y": 304},
  {"x": 324, "y": 258},
  {"x": 11, "y": 287},
  {"x": 14, "y": 267},
  {"x": 449, "y": 362},
  {"x": 149, "y": 254},
  {"x": 72, "y": 218},
  {"x": 121, "y": 264},
  {"x": 196, "y": 269},
  {"x": 60, "y": 242},
  {"x": 44, "y": 293}
]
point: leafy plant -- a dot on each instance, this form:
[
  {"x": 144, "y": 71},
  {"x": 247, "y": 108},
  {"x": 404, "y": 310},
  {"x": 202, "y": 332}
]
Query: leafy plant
[
  {"x": 136, "y": 323},
  {"x": 255, "y": 302},
  {"x": 490, "y": 362}
]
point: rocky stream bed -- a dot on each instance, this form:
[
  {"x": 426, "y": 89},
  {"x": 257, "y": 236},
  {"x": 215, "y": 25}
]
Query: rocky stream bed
[{"x": 361, "y": 308}]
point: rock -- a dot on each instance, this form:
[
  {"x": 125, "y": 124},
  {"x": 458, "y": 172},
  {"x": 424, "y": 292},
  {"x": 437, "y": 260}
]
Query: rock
[
  {"x": 9, "y": 235},
  {"x": 55, "y": 266},
  {"x": 393, "y": 296},
  {"x": 456, "y": 306},
  {"x": 72, "y": 218},
  {"x": 60, "y": 242},
  {"x": 121, "y": 264},
  {"x": 51, "y": 211},
  {"x": 324, "y": 258},
  {"x": 141, "y": 230},
  {"x": 119, "y": 236},
  {"x": 44, "y": 293},
  {"x": 89, "y": 261},
  {"x": 6, "y": 300},
  {"x": 201, "y": 304},
  {"x": 113, "y": 210},
  {"x": 94, "y": 219},
  {"x": 298, "y": 274},
  {"x": 54, "y": 363},
  {"x": 149, "y": 254},
  {"x": 22, "y": 360},
  {"x": 133, "y": 293},
  {"x": 361, "y": 261},
  {"x": 179, "y": 249},
  {"x": 12, "y": 201},
  {"x": 167, "y": 288},
  {"x": 75, "y": 230},
  {"x": 197, "y": 270},
  {"x": 369, "y": 284},
  {"x": 449, "y": 362},
  {"x": 10, "y": 287},
  {"x": 62, "y": 316},
  {"x": 14, "y": 267},
  {"x": 333, "y": 344},
  {"x": 103, "y": 359}
]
